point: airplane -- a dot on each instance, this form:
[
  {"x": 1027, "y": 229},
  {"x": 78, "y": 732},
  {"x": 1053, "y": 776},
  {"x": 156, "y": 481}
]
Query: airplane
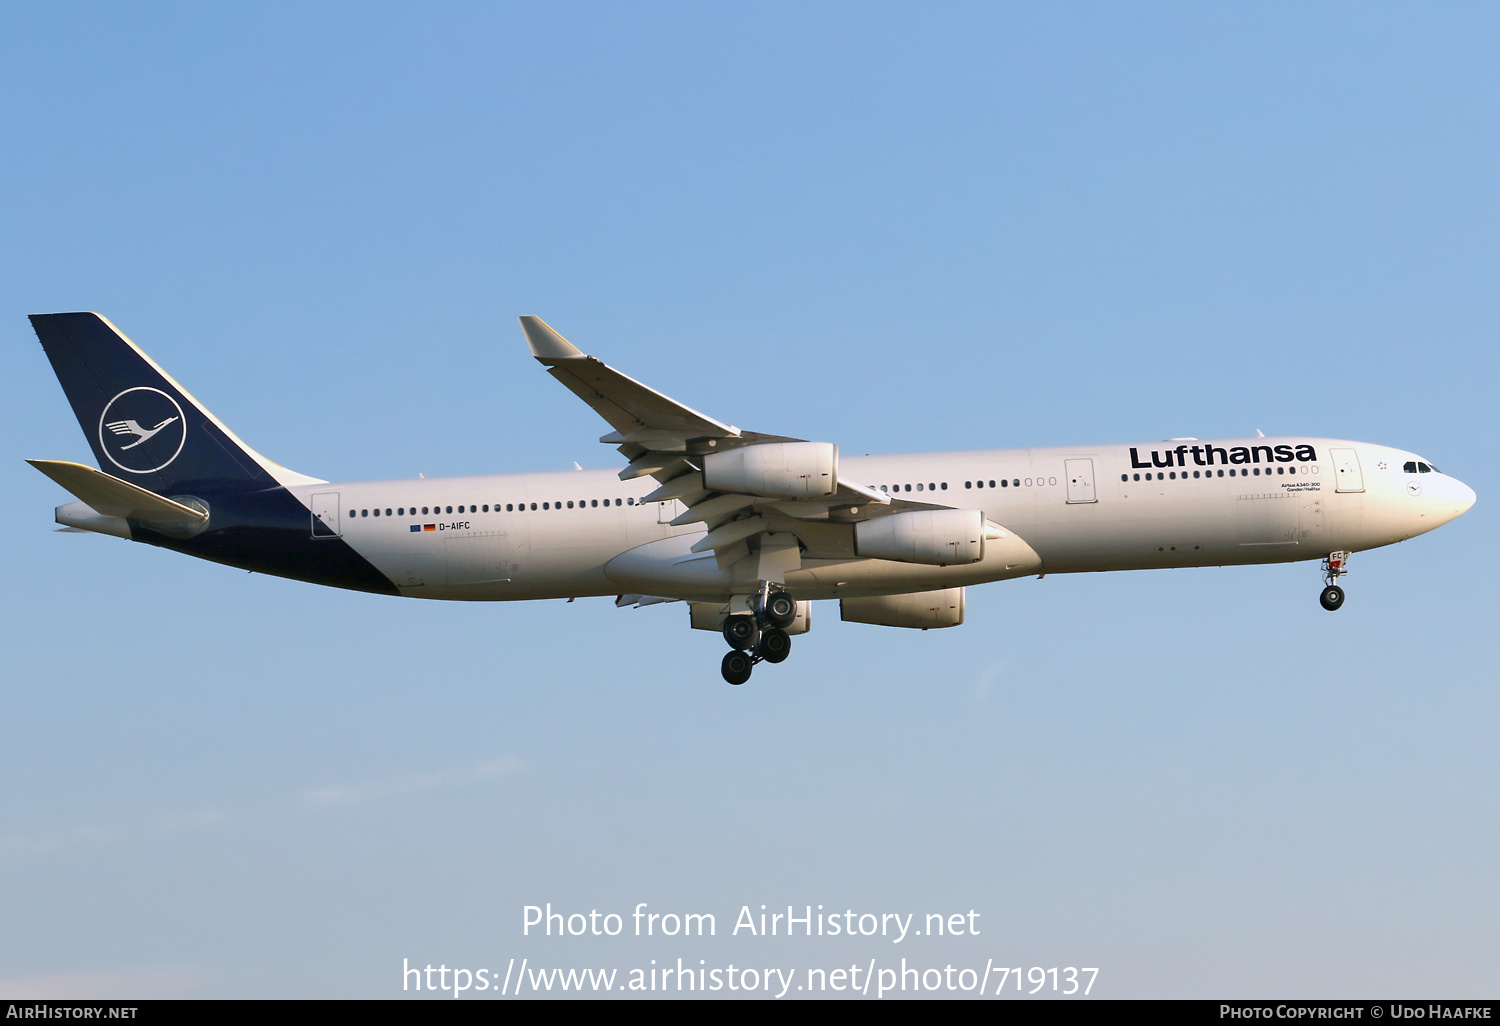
[{"x": 747, "y": 529}]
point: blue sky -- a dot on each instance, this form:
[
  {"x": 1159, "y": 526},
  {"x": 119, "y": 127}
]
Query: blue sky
[{"x": 895, "y": 228}]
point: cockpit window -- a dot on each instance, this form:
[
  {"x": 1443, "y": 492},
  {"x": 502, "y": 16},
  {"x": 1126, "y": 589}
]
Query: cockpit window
[
  {"x": 1409, "y": 467},
  {"x": 1423, "y": 468}
]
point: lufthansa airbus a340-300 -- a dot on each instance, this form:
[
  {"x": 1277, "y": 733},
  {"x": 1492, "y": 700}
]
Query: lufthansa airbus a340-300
[{"x": 747, "y": 529}]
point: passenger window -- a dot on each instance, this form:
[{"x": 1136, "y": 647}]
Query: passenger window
[
  {"x": 968, "y": 484},
  {"x": 919, "y": 486},
  {"x": 1003, "y": 483},
  {"x": 570, "y": 503},
  {"x": 364, "y": 512},
  {"x": 931, "y": 487},
  {"x": 387, "y": 512},
  {"x": 944, "y": 486}
]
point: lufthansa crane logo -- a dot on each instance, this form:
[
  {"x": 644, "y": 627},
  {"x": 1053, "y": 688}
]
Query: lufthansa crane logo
[{"x": 142, "y": 430}]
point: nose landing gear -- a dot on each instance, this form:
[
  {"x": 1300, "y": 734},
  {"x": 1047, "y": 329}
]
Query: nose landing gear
[
  {"x": 1335, "y": 565},
  {"x": 759, "y": 636}
]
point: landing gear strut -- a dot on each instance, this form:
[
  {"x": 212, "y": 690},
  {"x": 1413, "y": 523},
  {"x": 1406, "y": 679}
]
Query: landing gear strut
[
  {"x": 1335, "y": 566},
  {"x": 760, "y": 635}
]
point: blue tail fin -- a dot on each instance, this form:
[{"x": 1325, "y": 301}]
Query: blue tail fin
[{"x": 144, "y": 427}]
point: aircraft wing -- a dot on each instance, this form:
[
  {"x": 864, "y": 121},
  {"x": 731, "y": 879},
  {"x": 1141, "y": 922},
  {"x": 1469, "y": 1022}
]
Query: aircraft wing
[{"x": 662, "y": 438}]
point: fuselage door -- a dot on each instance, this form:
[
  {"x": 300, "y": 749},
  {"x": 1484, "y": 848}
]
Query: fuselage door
[
  {"x": 325, "y": 515},
  {"x": 1346, "y": 470},
  {"x": 1080, "y": 480}
]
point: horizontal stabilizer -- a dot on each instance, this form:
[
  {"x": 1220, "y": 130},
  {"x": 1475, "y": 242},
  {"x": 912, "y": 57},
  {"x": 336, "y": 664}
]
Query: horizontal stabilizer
[{"x": 115, "y": 498}]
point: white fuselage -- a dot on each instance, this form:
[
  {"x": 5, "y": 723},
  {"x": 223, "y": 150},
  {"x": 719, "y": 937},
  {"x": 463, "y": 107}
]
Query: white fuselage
[{"x": 1166, "y": 504}]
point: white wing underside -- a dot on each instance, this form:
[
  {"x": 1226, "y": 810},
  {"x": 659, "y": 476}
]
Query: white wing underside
[{"x": 666, "y": 440}]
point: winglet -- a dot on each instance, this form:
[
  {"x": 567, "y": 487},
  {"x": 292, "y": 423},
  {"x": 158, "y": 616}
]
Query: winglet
[{"x": 545, "y": 343}]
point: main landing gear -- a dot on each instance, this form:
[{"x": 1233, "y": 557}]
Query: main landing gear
[
  {"x": 759, "y": 635},
  {"x": 1335, "y": 566}
]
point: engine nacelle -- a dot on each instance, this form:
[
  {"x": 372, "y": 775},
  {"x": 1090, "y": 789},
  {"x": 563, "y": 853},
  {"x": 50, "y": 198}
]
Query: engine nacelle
[
  {"x": 923, "y": 610},
  {"x": 937, "y": 537},
  {"x": 781, "y": 470}
]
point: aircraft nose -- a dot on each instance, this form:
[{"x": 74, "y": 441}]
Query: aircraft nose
[
  {"x": 1453, "y": 498},
  {"x": 1466, "y": 498}
]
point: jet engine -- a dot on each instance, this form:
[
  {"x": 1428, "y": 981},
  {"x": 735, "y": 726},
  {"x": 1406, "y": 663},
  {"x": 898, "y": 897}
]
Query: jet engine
[
  {"x": 938, "y": 537},
  {"x": 781, "y": 470},
  {"x": 922, "y": 610}
]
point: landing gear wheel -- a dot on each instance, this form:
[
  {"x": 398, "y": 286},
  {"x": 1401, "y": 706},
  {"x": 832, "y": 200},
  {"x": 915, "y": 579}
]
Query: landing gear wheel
[
  {"x": 736, "y": 667},
  {"x": 781, "y": 609},
  {"x": 1332, "y": 597},
  {"x": 775, "y": 645},
  {"x": 739, "y": 631}
]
